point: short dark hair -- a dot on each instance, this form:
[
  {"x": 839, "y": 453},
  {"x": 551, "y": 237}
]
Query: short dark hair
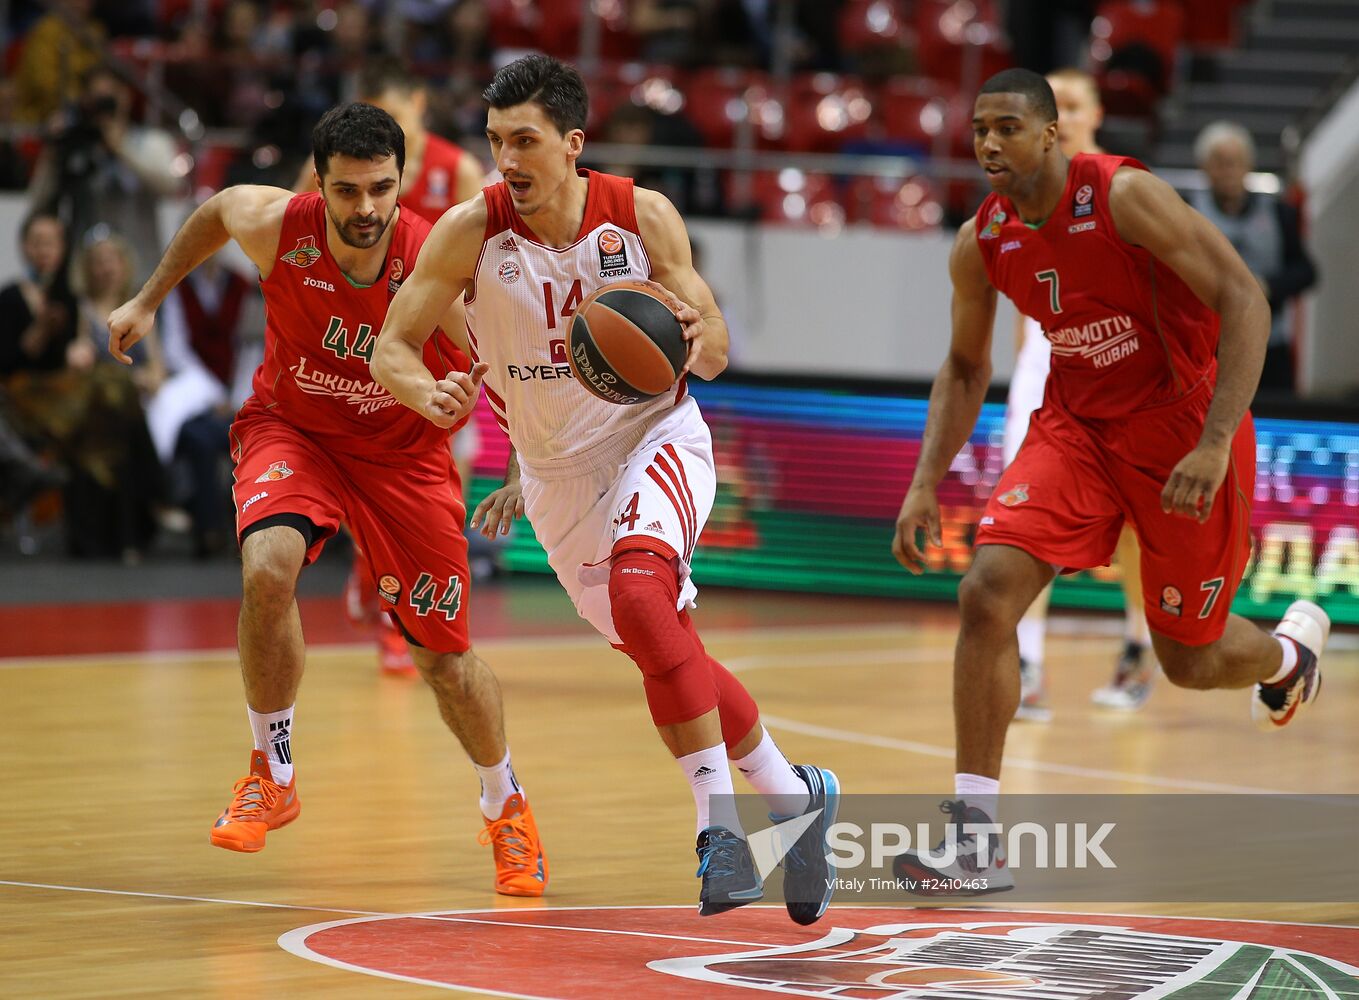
[
  {"x": 33, "y": 218},
  {"x": 384, "y": 73},
  {"x": 553, "y": 85},
  {"x": 1025, "y": 81},
  {"x": 358, "y": 130}
]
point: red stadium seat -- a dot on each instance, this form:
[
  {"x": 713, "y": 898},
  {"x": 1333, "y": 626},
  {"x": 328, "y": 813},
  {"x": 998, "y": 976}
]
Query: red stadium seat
[
  {"x": 795, "y": 197},
  {"x": 958, "y": 38},
  {"x": 914, "y": 111},
  {"x": 826, "y": 110},
  {"x": 514, "y": 23},
  {"x": 559, "y": 28},
  {"x": 893, "y": 203},
  {"x": 717, "y": 101},
  {"x": 1157, "y": 25},
  {"x": 1211, "y": 23},
  {"x": 211, "y": 165},
  {"x": 869, "y": 24}
]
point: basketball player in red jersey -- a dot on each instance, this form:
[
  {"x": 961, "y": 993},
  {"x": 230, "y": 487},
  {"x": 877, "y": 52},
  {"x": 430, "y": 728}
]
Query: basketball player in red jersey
[
  {"x": 617, "y": 495},
  {"x": 319, "y": 442},
  {"x": 1158, "y": 334},
  {"x": 438, "y": 175}
]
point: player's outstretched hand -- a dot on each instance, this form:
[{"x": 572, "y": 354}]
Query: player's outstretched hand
[
  {"x": 1193, "y": 484},
  {"x": 128, "y": 324},
  {"x": 919, "y": 512},
  {"x": 499, "y": 510},
  {"x": 691, "y": 320},
  {"x": 454, "y": 395}
]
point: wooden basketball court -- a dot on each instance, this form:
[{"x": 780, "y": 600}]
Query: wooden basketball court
[{"x": 118, "y": 763}]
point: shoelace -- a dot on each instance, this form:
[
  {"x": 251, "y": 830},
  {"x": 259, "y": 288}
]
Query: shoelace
[
  {"x": 511, "y": 839},
  {"x": 250, "y": 797},
  {"x": 719, "y": 856}
]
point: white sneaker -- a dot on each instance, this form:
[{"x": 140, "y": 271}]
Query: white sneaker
[
  {"x": 965, "y": 872},
  {"x": 1274, "y": 706},
  {"x": 1131, "y": 684},
  {"x": 1033, "y": 694}
]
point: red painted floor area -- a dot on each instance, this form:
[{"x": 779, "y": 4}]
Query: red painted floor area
[
  {"x": 856, "y": 952},
  {"x": 517, "y": 608}
]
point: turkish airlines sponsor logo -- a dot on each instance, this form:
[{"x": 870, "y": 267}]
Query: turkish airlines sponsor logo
[{"x": 364, "y": 394}]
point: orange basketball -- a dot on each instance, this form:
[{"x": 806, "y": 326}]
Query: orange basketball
[{"x": 626, "y": 345}]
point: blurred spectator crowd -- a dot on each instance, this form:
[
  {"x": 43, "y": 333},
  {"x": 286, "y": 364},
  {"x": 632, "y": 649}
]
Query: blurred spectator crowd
[{"x": 109, "y": 108}]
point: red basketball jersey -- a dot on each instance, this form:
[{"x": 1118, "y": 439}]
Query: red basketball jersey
[
  {"x": 1126, "y": 331},
  {"x": 319, "y": 339},
  {"x": 435, "y": 190}
]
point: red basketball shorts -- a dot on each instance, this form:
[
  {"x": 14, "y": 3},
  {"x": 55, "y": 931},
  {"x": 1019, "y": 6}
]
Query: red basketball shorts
[
  {"x": 409, "y": 524},
  {"x": 1065, "y": 498}
]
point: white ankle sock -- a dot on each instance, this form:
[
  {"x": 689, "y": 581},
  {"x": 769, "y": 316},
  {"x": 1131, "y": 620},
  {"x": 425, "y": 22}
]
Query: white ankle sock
[
  {"x": 1290, "y": 660},
  {"x": 769, "y": 773},
  {"x": 1031, "y": 632},
  {"x": 498, "y": 783},
  {"x": 273, "y": 734},
  {"x": 978, "y": 790},
  {"x": 708, "y": 775}
]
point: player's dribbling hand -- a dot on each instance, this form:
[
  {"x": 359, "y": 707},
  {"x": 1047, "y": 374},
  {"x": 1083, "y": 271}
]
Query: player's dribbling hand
[
  {"x": 690, "y": 319},
  {"x": 499, "y": 510},
  {"x": 454, "y": 395},
  {"x": 1194, "y": 482},
  {"x": 919, "y": 512},
  {"x": 128, "y": 324}
]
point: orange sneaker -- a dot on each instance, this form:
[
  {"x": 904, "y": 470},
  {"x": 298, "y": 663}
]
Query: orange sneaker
[
  {"x": 520, "y": 865},
  {"x": 258, "y": 805},
  {"x": 394, "y": 654}
]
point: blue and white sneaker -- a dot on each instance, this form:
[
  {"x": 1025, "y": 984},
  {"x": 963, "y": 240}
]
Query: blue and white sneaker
[
  {"x": 730, "y": 878},
  {"x": 1275, "y": 705},
  {"x": 808, "y": 875}
]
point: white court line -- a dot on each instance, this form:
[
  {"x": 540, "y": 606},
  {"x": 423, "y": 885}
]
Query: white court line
[
  {"x": 450, "y": 914},
  {"x": 294, "y": 941},
  {"x": 929, "y": 750},
  {"x": 445, "y": 916}
]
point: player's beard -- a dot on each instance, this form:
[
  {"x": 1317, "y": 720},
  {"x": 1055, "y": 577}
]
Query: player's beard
[{"x": 354, "y": 238}]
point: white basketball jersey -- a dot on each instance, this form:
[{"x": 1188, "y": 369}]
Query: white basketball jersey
[{"x": 519, "y": 317}]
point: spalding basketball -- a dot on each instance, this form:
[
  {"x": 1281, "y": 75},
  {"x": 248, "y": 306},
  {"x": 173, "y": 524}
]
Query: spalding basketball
[{"x": 626, "y": 344}]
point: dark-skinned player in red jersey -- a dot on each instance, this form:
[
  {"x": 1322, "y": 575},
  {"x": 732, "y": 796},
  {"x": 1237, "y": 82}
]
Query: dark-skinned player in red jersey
[{"x": 1158, "y": 336}]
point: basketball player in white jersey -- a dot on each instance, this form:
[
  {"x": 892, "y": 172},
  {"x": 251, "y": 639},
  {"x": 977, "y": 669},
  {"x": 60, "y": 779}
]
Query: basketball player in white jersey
[
  {"x": 617, "y": 495},
  {"x": 1079, "y": 115}
]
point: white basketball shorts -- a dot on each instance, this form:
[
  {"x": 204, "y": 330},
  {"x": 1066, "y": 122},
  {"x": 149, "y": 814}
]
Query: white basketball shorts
[{"x": 663, "y": 491}]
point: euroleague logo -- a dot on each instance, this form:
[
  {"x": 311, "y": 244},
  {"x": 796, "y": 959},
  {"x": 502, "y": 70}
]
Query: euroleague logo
[
  {"x": 394, "y": 275},
  {"x": 613, "y": 254},
  {"x": 1171, "y": 600},
  {"x": 861, "y": 952},
  {"x": 389, "y": 588},
  {"x": 1083, "y": 202}
]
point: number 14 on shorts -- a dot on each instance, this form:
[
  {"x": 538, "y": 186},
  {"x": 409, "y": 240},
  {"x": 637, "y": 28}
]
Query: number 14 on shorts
[{"x": 425, "y": 596}]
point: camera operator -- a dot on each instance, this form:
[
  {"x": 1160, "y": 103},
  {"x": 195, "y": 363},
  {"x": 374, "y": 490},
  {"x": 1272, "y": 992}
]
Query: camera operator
[{"x": 100, "y": 167}]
